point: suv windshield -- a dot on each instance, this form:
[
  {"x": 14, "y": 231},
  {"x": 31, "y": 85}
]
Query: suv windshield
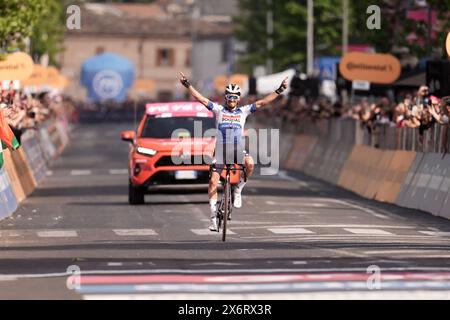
[{"x": 161, "y": 128}]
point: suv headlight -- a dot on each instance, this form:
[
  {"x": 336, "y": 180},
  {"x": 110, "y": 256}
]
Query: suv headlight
[{"x": 146, "y": 151}]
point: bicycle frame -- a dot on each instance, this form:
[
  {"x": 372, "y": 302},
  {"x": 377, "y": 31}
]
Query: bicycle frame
[{"x": 225, "y": 205}]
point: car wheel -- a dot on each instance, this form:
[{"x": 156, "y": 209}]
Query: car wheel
[{"x": 135, "y": 194}]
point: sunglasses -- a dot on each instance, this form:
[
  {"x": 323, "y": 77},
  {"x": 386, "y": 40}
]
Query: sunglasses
[{"x": 231, "y": 97}]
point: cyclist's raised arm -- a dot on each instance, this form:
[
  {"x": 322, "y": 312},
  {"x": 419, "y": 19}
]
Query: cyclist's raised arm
[
  {"x": 268, "y": 99},
  {"x": 197, "y": 95}
]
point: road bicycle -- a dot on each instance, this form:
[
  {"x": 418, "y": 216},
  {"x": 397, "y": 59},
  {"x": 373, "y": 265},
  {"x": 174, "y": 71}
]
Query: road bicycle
[{"x": 229, "y": 177}]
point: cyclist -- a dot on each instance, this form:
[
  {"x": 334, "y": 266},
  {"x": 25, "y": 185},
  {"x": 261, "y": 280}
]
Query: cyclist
[{"x": 230, "y": 121}]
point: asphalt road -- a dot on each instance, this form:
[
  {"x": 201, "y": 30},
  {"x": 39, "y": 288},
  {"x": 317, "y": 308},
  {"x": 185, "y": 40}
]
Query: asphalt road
[{"x": 294, "y": 238}]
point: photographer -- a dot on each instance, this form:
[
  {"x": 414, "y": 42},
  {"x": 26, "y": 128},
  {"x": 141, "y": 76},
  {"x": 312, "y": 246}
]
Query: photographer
[
  {"x": 439, "y": 109},
  {"x": 403, "y": 113}
]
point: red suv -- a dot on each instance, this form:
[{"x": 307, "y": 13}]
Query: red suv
[{"x": 173, "y": 145}]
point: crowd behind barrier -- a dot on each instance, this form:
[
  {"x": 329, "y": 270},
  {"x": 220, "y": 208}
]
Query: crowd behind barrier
[
  {"x": 416, "y": 121},
  {"x": 381, "y": 157},
  {"x": 40, "y": 124}
]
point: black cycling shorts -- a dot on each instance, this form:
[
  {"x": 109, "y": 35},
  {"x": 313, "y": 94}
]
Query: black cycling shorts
[{"x": 229, "y": 154}]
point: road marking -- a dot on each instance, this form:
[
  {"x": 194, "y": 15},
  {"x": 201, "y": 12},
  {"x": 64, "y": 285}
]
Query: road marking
[
  {"x": 423, "y": 252},
  {"x": 348, "y": 238},
  {"x": 366, "y": 210},
  {"x": 8, "y": 233},
  {"x": 80, "y": 172},
  {"x": 289, "y": 231},
  {"x": 332, "y": 226},
  {"x": 57, "y": 234},
  {"x": 216, "y": 264},
  {"x": 135, "y": 232},
  {"x": 242, "y": 222},
  {"x": 303, "y": 184},
  {"x": 283, "y": 175},
  {"x": 219, "y": 271},
  {"x": 115, "y": 264},
  {"x": 375, "y": 232},
  {"x": 269, "y": 202},
  {"x": 49, "y": 173},
  {"x": 205, "y": 232},
  {"x": 342, "y": 295},
  {"x": 436, "y": 233},
  {"x": 275, "y": 287},
  {"x": 287, "y": 212},
  {"x": 118, "y": 171},
  {"x": 299, "y": 262}
]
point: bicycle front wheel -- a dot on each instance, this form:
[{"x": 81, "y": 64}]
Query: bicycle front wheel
[{"x": 226, "y": 207}]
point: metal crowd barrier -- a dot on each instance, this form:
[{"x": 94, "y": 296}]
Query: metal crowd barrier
[{"x": 383, "y": 136}]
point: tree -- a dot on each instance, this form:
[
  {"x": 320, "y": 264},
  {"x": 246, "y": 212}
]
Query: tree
[
  {"x": 47, "y": 33},
  {"x": 41, "y": 21},
  {"x": 290, "y": 29},
  {"x": 396, "y": 27},
  {"x": 16, "y": 22},
  {"x": 290, "y": 19}
]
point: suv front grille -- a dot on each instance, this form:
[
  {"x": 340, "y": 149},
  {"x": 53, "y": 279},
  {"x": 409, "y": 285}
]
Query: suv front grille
[{"x": 165, "y": 161}]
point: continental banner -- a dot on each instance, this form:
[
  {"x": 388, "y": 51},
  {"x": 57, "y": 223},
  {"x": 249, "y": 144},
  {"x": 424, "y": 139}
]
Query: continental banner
[
  {"x": 447, "y": 44},
  {"x": 16, "y": 66},
  {"x": 372, "y": 67}
]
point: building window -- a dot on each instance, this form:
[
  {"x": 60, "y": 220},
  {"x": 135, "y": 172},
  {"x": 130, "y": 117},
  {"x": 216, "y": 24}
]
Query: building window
[
  {"x": 226, "y": 47},
  {"x": 165, "y": 58},
  {"x": 187, "y": 62},
  {"x": 165, "y": 96}
]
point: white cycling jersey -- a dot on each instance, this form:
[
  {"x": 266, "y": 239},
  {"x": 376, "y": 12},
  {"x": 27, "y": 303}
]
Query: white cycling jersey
[{"x": 230, "y": 124}]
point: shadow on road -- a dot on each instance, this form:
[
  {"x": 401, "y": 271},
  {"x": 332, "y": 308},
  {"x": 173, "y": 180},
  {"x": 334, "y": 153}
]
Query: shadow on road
[{"x": 126, "y": 204}]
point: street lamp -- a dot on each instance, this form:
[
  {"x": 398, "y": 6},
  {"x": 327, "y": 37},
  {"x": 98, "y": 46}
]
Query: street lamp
[
  {"x": 310, "y": 38},
  {"x": 269, "y": 19}
]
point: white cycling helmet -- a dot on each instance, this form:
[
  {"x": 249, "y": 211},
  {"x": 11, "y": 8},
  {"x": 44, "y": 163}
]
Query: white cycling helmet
[{"x": 233, "y": 89}]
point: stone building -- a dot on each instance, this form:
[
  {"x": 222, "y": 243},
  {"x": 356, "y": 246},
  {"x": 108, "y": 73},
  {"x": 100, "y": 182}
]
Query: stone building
[{"x": 160, "y": 39}]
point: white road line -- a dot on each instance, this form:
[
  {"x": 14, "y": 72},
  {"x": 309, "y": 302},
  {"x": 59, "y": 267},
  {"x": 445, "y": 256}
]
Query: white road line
[
  {"x": 332, "y": 226},
  {"x": 135, "y": 232},
  {"x": 5, "y": 277},
  {"x": 411, "y": 251},
  {"x": 369, "y": 211},
  {"x": 49, "y": 173},
  {"x": 303, "y": 184},
  {"x": 329, "y": 295},
  {"x": 80, "y": 172},
  {"x": 57, "y": 234},
  {"x": 289, "y": 231},
  {"x": 206, "y": 232},
  {"x": 118, "y": 171},
  {"x": 399, "y": 239},
  {"x": 242, "y": 222},
  {"x": 287, "y": 212},
  {"x": 216, "y": 264},
  {"x": 299, "y": 262},
  {"x": 115, "y": 264},
  {"x": 283, "y": 175},
  {"x": 375, "y": 232},
  {"x": 436, "y": 233},
  {"x": 269, "y": 202},
  {"x": 8, "y": 233}
]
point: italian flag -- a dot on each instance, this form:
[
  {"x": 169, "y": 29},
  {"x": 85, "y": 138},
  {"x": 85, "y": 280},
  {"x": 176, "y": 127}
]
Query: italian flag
[{"x": 6, "y": 136}]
